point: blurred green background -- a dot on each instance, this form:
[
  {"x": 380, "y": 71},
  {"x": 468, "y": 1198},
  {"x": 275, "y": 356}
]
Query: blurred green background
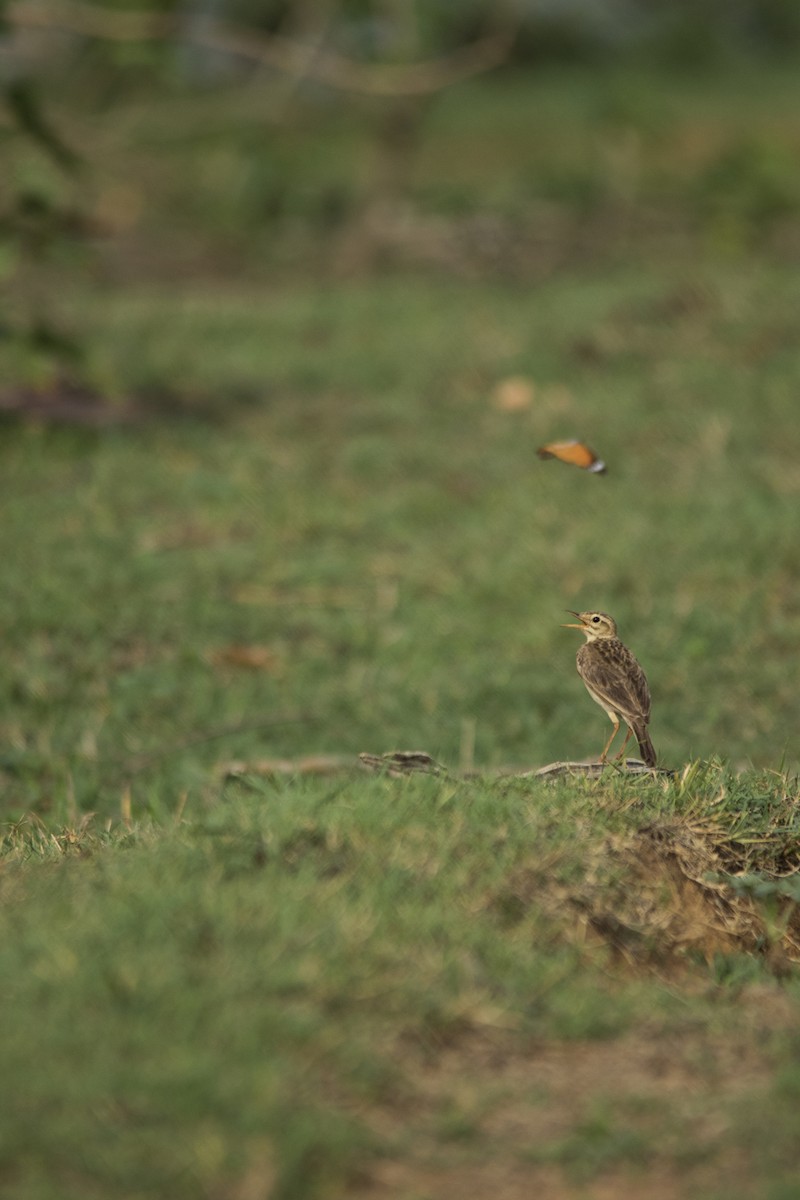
[{"x": 292, "y": 294}]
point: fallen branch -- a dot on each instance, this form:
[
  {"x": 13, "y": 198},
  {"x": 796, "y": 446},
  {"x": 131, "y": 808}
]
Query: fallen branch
[
  {"x": 67, "y": 405},
  {"x": 284, "y": 54},
  {"x": 399, "y": 763}
]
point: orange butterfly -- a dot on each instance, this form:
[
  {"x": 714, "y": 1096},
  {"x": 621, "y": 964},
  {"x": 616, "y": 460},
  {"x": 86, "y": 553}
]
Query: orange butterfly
[{"x": 574, "y": 452}]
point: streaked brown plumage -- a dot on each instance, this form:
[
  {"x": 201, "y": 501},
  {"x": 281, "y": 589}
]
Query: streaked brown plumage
[{"x": 615, "y": 681}]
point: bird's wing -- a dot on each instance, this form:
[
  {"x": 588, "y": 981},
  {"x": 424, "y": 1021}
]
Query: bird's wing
[{"x": 618, "y": 681}]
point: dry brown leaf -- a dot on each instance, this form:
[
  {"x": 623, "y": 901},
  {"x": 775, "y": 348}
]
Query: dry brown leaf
[{"x": 252, "y": 658}]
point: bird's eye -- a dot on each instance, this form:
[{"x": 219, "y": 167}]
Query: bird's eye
[{"x": 595, "y": 620}]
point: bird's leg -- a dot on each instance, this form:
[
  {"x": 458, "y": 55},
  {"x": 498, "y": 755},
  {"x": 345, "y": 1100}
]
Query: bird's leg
[
  {"x": 614, "y": 732},
  {"x": 624, "y": 744}
]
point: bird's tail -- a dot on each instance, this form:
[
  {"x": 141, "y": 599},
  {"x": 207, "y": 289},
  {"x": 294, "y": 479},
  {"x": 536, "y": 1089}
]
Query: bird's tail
[{"x": 645, "y": 745}]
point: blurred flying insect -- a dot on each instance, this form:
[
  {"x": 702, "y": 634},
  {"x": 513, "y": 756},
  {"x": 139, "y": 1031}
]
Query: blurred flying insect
[{"x": 576, "y": 453}]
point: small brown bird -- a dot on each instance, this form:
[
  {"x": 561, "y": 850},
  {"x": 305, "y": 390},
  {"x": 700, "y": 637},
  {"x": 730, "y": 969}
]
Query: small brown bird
[{"x": 614, "y": 680}]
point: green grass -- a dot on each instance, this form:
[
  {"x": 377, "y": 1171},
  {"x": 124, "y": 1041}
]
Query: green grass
[
  {"x": 391, "y": 538},
  {"x": 229, "y": 999},
  {"x": 260, "y": 990},
  {"x": 295, "y": 987}
]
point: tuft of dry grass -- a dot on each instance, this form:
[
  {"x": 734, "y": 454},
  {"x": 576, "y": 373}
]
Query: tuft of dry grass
[{"x": 656, "y": 896}]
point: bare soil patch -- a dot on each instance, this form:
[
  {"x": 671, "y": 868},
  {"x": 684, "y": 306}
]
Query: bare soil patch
[
  {"x": 660, "y": 898},
  {"x": 646, "y": 1114}
]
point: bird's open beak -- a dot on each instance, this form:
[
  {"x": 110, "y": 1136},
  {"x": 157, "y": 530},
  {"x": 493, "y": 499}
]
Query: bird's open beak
[{"x": 572, "y": 625}]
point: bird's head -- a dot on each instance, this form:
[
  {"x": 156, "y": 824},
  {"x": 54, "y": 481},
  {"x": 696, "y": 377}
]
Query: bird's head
[{"x": 594, "y": 624}]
